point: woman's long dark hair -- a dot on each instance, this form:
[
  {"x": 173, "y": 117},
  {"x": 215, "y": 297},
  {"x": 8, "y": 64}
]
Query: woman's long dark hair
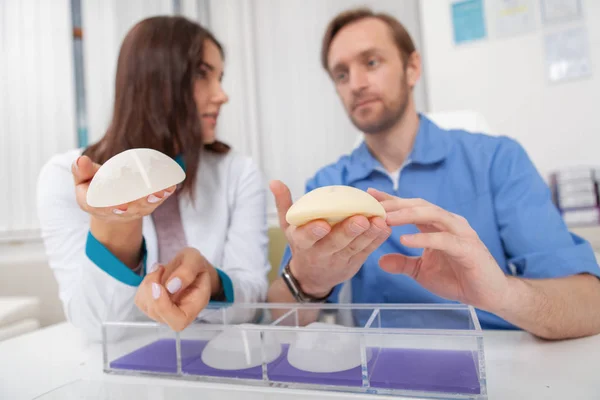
[{"x": 154, "y": 101}]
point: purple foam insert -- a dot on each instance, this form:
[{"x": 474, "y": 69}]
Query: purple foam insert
[
  {"x": 446, "y": 371},
  {"x": 159, "y": 356}
]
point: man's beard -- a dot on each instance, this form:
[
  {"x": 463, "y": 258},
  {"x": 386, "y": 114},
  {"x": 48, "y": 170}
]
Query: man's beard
[{"x": 390, "y": 115}]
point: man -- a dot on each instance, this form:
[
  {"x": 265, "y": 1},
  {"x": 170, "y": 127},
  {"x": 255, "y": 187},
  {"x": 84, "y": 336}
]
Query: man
[{"x": 469, "y": 219}]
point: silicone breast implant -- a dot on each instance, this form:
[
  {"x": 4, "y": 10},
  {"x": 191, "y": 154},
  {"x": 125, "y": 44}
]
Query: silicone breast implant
[
  {"x": 238, "y": 348},
  {"x": 325, "y": 352},
  {"x": 131, "y": 175},
  {"x": 333, "y": 204}
]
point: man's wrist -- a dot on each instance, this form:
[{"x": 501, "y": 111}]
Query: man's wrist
[
  {"x": 511, "y": 299},
  {"x": 311, "y": 290},
  {"x": 316, "y": 292}
]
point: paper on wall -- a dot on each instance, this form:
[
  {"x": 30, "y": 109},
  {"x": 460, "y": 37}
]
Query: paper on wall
[
  {"x": 513, "y": 17},
  {"x": 567, "y": 54},
  {"x": 468, "y": 20},
  {"x": 554, "y": 11}
]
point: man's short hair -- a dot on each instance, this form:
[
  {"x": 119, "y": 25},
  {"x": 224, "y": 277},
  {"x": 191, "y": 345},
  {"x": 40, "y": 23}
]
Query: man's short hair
[{"x": 401, "y": 36}]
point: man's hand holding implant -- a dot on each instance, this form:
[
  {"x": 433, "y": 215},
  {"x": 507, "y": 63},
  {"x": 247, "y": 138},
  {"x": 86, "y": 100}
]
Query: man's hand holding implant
[{"x": 325, "y": 256}]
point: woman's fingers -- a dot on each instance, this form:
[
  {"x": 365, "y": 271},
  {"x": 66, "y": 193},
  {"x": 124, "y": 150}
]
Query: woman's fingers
[
  {"x": 176, "y": 294},
  {"x": 196, "y": 297},
  {"x": 124, "y": 212},
  {"x": 182, "y": 271},
  {"x": 181, "y": 274},
  {"x": 166, "y": 309},
  {"x": 154, "y": 198},
  {"x": 148, "y": 290},
  {"x": 154, "y": 300},
  {"x": 179, "y": 315},
  {"x": 144, "y": 206},
  {"x": 83, "y": 170}
]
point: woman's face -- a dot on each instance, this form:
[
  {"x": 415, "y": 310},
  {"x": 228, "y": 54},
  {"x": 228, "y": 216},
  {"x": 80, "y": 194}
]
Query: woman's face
[{"x": 208, "y": 93}]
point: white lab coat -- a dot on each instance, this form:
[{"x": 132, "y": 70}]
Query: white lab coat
[{"x": 227, "y": 223}]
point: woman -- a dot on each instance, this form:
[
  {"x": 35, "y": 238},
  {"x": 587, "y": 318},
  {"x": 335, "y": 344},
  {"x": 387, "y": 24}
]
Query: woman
[{"x": 172, "y": 252}]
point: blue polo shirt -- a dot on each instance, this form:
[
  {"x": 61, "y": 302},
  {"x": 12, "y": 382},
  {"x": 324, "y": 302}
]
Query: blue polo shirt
[{"x": 488, "y": 180}]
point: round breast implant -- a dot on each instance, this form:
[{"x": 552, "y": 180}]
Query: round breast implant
[
  {"x": 325, "y": 352},
  {"x": 131, "y": 175},
  {"x": 236, "y": 348},
  {"x": 333, "y": 204}
]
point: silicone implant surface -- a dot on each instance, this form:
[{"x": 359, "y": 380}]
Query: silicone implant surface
[
  {"x": 238, "y": 348},
  {"x": 131, "y": 175},
  {"x": 325, "y": 352},
  {"x": 333, "y": 204}
]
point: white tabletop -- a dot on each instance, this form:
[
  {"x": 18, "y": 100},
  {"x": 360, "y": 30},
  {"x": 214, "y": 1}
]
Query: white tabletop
[{"x": 518, "y": 366}]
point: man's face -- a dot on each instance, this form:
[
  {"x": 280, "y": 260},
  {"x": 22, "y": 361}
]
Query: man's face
[{"x": 370, "y": 78}]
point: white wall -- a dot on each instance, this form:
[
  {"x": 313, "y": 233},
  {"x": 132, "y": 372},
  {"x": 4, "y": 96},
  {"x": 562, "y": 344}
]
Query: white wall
[{"x": 505, "y": 80}]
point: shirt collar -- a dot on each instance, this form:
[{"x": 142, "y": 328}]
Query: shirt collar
[{"x": 431, "y": 146}]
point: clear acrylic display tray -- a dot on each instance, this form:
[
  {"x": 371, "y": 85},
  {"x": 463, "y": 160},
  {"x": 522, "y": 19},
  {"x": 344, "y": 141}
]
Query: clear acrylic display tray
[{"x": 424, "y": 351}]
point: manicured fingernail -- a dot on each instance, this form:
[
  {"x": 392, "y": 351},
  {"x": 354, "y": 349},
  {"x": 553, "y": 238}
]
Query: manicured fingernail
[
  {"x": 153, "y": 199},
  {"x": 167, "y": 194},
  {"x": 407, "y": 238},
  {"x": 174, "y": 285},
  {"x": 153, "y": 268},
  {"x": 319, "y": 231},
  {"x": 118, "y": 212},
  {"x": 155, "y": 290}
]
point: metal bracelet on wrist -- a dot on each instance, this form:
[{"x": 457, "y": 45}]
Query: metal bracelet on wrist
[{"x": 294, "y": 287}]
